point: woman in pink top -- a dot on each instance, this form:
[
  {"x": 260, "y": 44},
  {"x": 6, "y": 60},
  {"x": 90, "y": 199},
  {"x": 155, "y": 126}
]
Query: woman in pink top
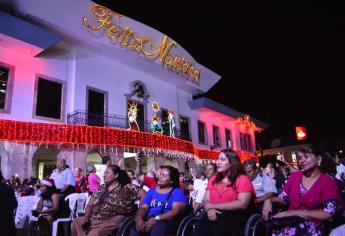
[
  {"x": 93, "y": 179},
  {"x": 229, "y": 197},
  {"x": 310, "y": 195}
]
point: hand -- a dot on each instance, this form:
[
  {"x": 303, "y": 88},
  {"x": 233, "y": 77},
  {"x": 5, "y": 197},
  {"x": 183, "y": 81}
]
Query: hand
[
  {"x": 149, "y": 224},
  {"x": 212, "y": 214},
  {"x": 139, "y": 224},
  {"x": 267, "y": 208},
  {"x": 86, "y": 225},
  {"x": 208, "y": 206}
]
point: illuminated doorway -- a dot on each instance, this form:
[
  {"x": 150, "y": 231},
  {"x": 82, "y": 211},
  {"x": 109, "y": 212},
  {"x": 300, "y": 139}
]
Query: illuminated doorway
[{"x": 43, "y": 162}]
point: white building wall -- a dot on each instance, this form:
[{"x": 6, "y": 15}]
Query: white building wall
[{"x": 26, "y": 68}]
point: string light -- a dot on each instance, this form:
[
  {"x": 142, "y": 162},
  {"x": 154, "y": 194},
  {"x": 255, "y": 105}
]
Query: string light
[{"x": 86, "y": 137}]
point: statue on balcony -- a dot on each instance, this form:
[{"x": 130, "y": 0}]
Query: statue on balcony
[
  {"x": 132, "y": 116},
  {"x": 156, "y": 126},
  {"x": 172, "y": 125}
]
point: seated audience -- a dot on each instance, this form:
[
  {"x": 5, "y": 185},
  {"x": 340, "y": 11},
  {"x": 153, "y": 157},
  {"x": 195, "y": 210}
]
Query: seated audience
[
  {"x": 263, "y": 185},
  {"x": 229, "y": 198},
  {"x": 162, "y": 206},
  {"x": 311, "y": 197},
  {"x": 108, "y": 206},
  {"x": 51, "y": 206}
]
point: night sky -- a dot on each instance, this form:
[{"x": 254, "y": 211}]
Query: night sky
[{"x": 280, "y": 61}]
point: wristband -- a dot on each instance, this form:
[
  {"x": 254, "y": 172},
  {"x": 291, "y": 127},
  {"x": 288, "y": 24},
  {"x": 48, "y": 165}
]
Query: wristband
[{"x": 305, "y": 214}]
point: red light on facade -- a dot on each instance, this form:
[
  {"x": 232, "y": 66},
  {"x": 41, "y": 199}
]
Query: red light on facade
[{"x": 301, "y": 133}]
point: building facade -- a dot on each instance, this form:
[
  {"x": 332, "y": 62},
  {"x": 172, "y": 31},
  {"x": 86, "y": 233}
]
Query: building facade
[{"x": 83, "y": 65}]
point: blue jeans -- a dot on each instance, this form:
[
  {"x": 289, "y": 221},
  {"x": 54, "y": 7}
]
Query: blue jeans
[{"x": 159, "y": 229}]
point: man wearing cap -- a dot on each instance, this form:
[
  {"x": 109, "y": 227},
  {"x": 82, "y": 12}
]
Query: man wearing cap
[{"x": 63, "y": 178}]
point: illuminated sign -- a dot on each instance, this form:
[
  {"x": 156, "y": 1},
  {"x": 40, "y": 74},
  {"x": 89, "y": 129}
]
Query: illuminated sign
[
  {"x": 301, "y": 133},
  {"x": 144, "y": 45}
]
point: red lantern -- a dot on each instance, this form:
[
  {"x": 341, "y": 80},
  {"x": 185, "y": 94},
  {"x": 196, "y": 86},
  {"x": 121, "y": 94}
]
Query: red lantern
[{"x": 301, "y": 133}]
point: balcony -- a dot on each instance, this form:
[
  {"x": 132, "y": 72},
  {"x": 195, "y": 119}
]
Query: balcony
[{"x": 79, "y": 117}]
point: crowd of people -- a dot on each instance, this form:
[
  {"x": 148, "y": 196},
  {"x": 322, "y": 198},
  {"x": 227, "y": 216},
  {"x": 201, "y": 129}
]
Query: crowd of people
[{"x": 302, "y": 200}]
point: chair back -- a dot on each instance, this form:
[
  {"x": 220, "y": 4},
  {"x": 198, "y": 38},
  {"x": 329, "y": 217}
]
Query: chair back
[
  {"x": 72, "y": 201},
  {"x": 81, "y": 202}
]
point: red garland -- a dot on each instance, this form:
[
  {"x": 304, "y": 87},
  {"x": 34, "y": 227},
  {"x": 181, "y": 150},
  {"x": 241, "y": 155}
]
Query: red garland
[{"x": 32, "y": 132}]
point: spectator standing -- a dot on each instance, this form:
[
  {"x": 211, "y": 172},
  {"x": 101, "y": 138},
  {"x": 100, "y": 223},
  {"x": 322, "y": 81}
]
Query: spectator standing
[
  {"x": 80, "y": 181},
  {"x": 92, "y": 179},
  {"x": 63, "y": 178},
  {"x": 8, "y": 203}
]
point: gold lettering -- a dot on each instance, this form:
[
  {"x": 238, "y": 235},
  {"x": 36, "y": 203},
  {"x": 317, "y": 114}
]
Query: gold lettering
[
  {"x": 129, "y": 39},
  {"x": 169, "y": 59},
  {"x": 123, "y": 34},
  {"x": 164, "y": 49},
  {"x": 185, "y": 67},
  {"x": 99, "y": 12},
  {"x": 112, "y": 31}
]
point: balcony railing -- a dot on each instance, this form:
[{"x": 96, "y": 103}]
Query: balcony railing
[{"x": 112, "y": 121}]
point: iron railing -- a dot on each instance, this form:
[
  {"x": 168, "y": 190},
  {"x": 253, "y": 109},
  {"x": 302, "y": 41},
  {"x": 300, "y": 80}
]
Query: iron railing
[{"x": 112, "y": 121}]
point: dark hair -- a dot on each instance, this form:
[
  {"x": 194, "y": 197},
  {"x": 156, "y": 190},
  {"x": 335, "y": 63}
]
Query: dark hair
[
  {"x": 105, "y": 159},
  {"x": 49, "y": 192},
  {"x": 312, "y": 148},
  {"x": 328, "y": 165},
  {"x": 131, "y": 171},
  {"x": 250, "y": 163},
  {"x": 236, "y": 168},
  {"x": 174, "y": 175},
  {"x": 1, "y": 177},
  {"x": 122, "y": 177}
]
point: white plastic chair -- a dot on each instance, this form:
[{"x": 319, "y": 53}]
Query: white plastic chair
[
  {"x": 55, "y": 224},
  {"x": 57, "y": 221},
  {"x": 81, "y": 203},
  {"x": 72, "y": 200}
]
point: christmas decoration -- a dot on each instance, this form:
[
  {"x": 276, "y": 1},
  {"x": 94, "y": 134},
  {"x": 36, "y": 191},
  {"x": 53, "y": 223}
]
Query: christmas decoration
[
  {"x": 86, "y": 138},
  {"x": 132, "y": 116},
  {"x": 246, "y": 121},
  {"x": 172, "y": 124},
  {"x": 156, "y": 126}
]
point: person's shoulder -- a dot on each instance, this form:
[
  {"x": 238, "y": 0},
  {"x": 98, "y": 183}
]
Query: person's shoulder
[
  {"x": 130, "y": 186},
  {"x": 296, "y": 174},
  {"x": 330, "y": 179},
  {"x": 178, "y": 191},
  {"x": 212, "y": 179},
  {"x": 151, "y": 191},
  {"x": 243, "y": 178}
]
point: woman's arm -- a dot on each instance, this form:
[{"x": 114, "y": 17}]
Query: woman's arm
[
  {"x": 241, "y": 203},
  {"x": 268, "y": 203},
  {"x": 177, "y": 209},
  {"x": 305, "y": 214},
  {"x": 39, "y": 207},
  {"x": 206, "y": 201},
  {"x": 88, "y": 208},
  {"x": 55, "y": 201},
  {"x": 139, "y": 217}
]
